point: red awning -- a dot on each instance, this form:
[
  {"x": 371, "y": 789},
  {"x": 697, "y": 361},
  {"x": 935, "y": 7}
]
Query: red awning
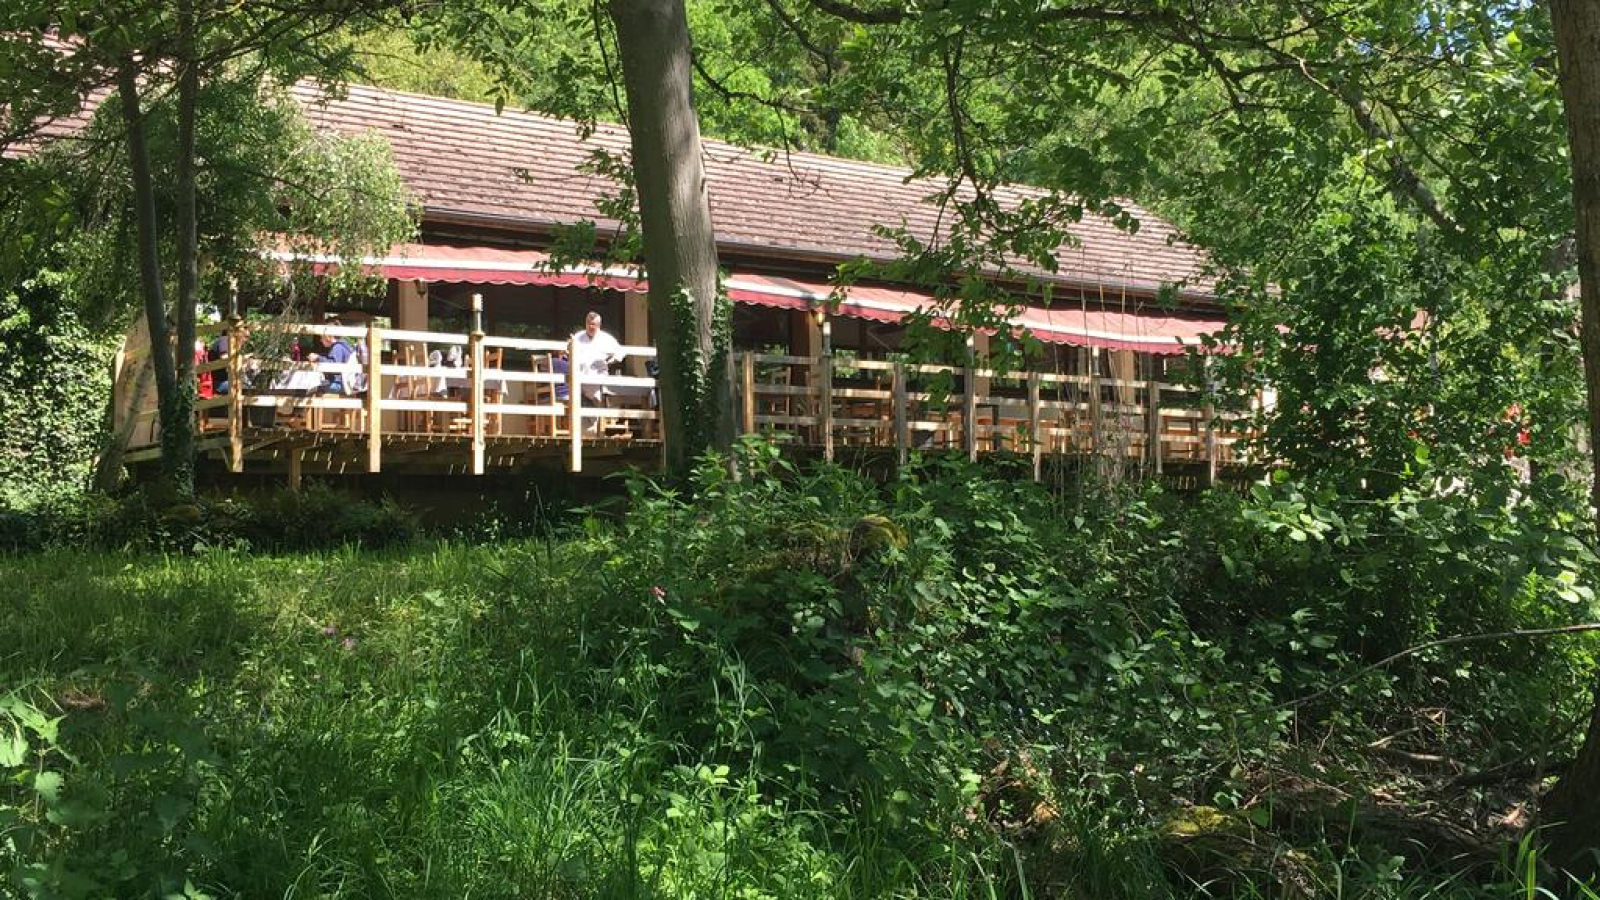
[{"x": 1144, "y": 332}]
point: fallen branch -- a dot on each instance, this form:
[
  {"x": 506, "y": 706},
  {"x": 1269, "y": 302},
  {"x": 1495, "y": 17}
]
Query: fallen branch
[{"x": 1441, "y": 642}]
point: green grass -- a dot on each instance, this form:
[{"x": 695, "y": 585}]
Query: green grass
[{"x": 403, "y": 725}]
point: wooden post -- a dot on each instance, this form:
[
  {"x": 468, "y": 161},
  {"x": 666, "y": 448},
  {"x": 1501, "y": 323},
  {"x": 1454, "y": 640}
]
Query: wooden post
[
  {"x": 117, "y": 363},
  {"x": 475, "y": 402},
  {"x": 969, "y": 403},
  {"x": 1208, "y": 412},
  {"x": 635, "y": 330},
  {"x": 574, "y": 408},
  {"x": 374, "y": 399},
  {"x": 824, "y": 366},
  {"x": 1152, "y": 440},
  {"x": 902, "y": 437},
  {"x": 294, "y": 469},
  {"x": 1096, "y": 425},
  {"x": 748, "y": 391},
  {"x": 235, "y": 395},
  {"x": 1035, "y": 438}
]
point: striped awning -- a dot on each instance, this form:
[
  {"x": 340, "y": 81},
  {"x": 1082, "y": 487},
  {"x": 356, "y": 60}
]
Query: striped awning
[{"x": 1144, "y": 331}]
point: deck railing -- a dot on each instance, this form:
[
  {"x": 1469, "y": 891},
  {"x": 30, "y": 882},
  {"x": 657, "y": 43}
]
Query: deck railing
[
  {"x": 395, "y": 405},
  {"x": 837, "y": 401}
]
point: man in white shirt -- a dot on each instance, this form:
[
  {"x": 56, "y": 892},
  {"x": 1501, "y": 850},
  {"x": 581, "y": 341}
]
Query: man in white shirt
[{"x": 595, "y": 351}]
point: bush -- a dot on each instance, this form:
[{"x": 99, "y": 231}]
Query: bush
[{"x": 315, "y": 519}]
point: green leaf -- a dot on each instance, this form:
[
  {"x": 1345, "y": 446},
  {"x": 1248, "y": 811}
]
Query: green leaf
[
  {"x": 13, "y": 750},
  {"x": 47, "y": 785}
]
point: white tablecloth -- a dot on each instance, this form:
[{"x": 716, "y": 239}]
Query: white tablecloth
[{"x": 304, "y": 380}]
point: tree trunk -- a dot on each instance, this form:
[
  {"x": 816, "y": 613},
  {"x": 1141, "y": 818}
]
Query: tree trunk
[
  {"x": 181, "y": 446},
  {"x": 174, "y": 427},
  {"x": 690, "y": 322},
  {"x": 1572, "y": 809}
]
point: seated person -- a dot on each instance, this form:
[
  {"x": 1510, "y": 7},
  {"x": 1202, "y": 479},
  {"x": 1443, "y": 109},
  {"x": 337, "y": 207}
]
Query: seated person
[
  {"x": 560, "y": 366},
  {"x": 596, "y": 350},
  {"x": 219, "y": 351},
  {"x": 334, "y": 350}
]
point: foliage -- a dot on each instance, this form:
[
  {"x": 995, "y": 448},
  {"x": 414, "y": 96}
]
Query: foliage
[
  {"x": 54, "y": 374},
  {"x": 266, "y": 173},
  {"x": 797, "y": 684},
  {"x": 316, "y": 518},
  {"x": 755, "y": 84}
]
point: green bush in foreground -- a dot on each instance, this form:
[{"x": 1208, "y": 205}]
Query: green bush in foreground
[{"x": 801, "y": 684}]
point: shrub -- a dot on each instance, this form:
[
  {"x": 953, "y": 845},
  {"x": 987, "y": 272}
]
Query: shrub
[{"x": 315, "y": 519}]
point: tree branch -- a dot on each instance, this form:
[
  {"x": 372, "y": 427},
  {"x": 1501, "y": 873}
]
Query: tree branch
[{"x": 1441, "y": 642}]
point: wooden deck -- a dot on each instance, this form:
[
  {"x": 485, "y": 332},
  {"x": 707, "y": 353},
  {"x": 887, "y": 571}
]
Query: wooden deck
[{"x": 489, "y": 414}]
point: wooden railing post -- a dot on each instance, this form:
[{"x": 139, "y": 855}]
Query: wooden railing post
[
  {"x": 969, "y": 403},
  {"x": 236, "y": 389},
  {"x": 1096, "y": 418},
  {"x": 1152, "y": 440},
  {"x": 575, "y": 408},
  {"x": 1208, "y": 413},
  {"x": 825, "y": 407},
  {"x": 374, "y": 399},
  {"x": 475, "y": 401},
  {"x": 1035, "y": 438},
  {"x": 747, "y": 396},
  {"x": 902, "y": 437}
]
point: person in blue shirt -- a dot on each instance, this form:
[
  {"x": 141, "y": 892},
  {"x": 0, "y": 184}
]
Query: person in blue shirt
[{"x": 334, "y": 350}]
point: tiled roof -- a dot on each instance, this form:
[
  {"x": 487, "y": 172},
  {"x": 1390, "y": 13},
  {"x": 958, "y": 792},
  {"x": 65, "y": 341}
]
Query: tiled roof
[{"x": 525, "y": 170}]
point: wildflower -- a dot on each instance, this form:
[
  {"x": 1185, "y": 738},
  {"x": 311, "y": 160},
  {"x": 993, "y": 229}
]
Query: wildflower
[
  {"x": 329, "y": 631},
  {"x": 659, "y": 592},
  {"x": 349, "y": 643}
]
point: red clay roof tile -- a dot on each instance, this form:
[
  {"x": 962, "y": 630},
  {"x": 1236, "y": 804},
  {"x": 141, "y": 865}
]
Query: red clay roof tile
[{"x": 526, "y": 169}]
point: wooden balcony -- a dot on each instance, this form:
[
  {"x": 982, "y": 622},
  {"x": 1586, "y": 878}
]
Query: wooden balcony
[{"x": 505, "y": 406}]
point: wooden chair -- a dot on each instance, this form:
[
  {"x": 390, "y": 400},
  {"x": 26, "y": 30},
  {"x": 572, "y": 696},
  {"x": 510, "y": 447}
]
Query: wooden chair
[
  {"x": 493, "y": 388},
  {"x": 544, "y": 394},
  {"x": 412, "y": 387}
]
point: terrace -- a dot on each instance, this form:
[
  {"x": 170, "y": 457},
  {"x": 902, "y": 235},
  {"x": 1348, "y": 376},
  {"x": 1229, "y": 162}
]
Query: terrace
[{"x": 506, "y": 405}]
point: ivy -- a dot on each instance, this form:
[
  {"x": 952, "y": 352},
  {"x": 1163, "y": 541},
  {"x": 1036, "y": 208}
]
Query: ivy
[
  {"x": 696, "y": 381},
  {"x": 55, "y": 378}
]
